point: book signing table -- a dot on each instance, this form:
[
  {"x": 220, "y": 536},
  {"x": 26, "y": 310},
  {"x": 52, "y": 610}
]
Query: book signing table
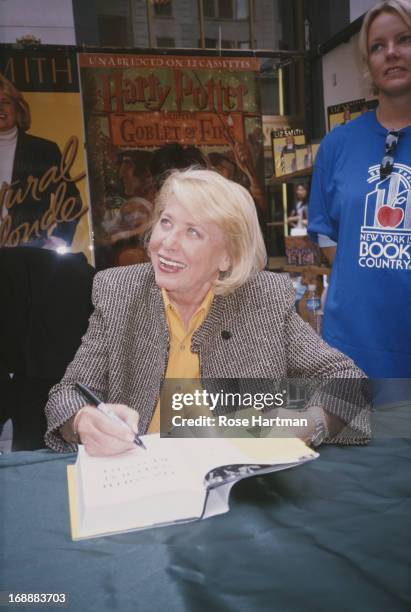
[{"x": 331, "y": 535}]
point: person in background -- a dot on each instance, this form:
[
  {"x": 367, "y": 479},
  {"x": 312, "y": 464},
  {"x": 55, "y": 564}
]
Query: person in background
[
  {"x": 298, "y": 215},
  {"x": 360, "y": 206},
  {"x": 45, "y": 306},
  {"x": 202, "y": 309}
]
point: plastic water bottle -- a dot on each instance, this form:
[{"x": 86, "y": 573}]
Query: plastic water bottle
[{"x": 313, "y": 305}]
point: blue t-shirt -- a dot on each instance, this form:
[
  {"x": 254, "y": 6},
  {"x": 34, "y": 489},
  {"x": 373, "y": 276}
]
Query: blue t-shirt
[{"x": 368, "y": 309}]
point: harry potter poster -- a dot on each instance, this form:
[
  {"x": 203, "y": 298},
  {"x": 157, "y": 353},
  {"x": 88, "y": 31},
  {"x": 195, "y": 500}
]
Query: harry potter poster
[{"x": 134, "y": 106}]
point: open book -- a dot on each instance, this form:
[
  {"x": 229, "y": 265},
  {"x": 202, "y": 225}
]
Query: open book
[{"x": 174, "y": 480}]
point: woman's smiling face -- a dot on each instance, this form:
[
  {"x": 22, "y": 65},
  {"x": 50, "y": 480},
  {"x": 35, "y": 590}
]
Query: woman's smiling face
[{"x": 187, "y": 255}]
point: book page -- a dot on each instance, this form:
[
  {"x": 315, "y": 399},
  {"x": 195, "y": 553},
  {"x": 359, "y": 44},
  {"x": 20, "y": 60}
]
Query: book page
[
  {"x": 208, "y": 454},
  {"x": 133, "y": 475},
  {"x": 273, "y": 450},
  {"x": 137, "y": 489}
]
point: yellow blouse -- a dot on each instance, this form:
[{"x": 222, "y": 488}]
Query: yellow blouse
[{"x": 182, "y": 362}]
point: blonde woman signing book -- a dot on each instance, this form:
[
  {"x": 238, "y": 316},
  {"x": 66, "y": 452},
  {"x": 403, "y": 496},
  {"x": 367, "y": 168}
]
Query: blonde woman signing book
[{"x": 202, "y": 309}]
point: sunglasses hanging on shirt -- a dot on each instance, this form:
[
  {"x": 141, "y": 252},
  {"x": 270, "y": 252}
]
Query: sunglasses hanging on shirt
[{"x": 387, "y": 164}]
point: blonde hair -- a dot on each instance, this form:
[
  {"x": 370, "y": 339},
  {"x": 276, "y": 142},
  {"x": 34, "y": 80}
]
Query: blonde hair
[
  {"x": 23, "y": 117},
  {"x": 401, "y": 7},
  {"x": 211, "y": 197}
]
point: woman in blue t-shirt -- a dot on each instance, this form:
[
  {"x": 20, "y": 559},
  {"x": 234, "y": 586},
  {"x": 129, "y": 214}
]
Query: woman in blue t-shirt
[{"x": 360, "y": 206}]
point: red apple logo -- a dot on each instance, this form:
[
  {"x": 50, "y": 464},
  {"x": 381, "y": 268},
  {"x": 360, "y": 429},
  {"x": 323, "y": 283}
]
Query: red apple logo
[{"x": 390, "y": 217}]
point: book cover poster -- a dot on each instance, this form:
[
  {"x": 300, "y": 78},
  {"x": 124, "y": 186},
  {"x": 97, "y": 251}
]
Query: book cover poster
[
  {"x": 340, "y": 114},
  {"x": 289, "y": 149},
  {"x": 43, "y": 194},
  {"x": 305, "y": 155},
  {"x": 134, "y": 105}
]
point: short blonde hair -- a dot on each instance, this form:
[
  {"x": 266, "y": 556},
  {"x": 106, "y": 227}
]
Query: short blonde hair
[
  {"x": 21, "y": 106},
  {"x": 401, "y": 7},
  {"x": 211, "y": 197}
]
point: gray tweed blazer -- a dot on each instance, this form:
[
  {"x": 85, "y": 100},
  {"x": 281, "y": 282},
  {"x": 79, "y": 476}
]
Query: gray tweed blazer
[{"x": 123, "y": 355}]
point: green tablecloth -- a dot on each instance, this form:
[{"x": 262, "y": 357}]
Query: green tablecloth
[{"x": 331, "y": 535}]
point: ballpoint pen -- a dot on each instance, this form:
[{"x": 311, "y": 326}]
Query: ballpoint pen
[{"x": 89, "y": 395}]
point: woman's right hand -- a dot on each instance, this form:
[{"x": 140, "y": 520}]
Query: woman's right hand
[{"x": 102, "y": 437}]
